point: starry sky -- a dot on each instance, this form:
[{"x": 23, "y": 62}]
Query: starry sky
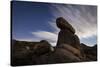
[{"x": 35, "y": 21}]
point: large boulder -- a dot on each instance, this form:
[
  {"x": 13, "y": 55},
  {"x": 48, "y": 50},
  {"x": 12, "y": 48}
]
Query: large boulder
[
  {"x": 42, "y": 48},
  {"x": 67, "y": 34},
  {"x": 63, "y": 24}
]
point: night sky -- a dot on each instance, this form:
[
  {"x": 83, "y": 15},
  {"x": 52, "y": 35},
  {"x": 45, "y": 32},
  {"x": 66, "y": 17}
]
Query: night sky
[{"x": 35, "y": 21}]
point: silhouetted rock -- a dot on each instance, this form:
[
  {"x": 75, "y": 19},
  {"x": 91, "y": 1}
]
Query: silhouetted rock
[
  {"x": 21, "y": 52},
  {"x": 60, "y": 55},
  {"x": 42, "y": 48},
  {"x": 66, "y": 34},
  {"x": 90, "y": 53},
  {"x": 63, "y": 24},
  {"x": 27, "y": 53}
]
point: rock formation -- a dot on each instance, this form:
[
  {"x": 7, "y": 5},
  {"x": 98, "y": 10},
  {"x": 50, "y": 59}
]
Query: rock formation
[
  {"x": 68, "y": 46},
  {"x": 68, "y": 49},
  {"x": 63, "y": 24},
  {"x": 89, "y": 53},
  {"x": 42, "y": 48},
  {"x": 67, "y": 34}
]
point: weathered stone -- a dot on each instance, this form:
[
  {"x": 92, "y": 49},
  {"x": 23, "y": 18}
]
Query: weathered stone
[
  {"x": 66, "y": 37},
  {"x": 63, "y": 24},
  {"x": 89, "y": 53},
  {"x": 59, "y": 56},
  {"x": 42, "y": 48},
  {"x": 76, "y": 42},
  {"x": 71, "y": 49}
]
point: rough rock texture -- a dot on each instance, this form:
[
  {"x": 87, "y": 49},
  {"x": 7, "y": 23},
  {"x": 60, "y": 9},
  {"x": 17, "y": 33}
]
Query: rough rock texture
[
  {"x": 89, "y": 53},
  {"x": 66, "y": 34},
  {"x": 42, "y": 48},
  {"x": 27, "y": 53},
  {"x": 60, "y": 55},
  {"x": 72, "y": 50}
]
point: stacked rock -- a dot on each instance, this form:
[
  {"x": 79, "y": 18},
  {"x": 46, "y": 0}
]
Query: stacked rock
[{"x": 67, "y": 34}]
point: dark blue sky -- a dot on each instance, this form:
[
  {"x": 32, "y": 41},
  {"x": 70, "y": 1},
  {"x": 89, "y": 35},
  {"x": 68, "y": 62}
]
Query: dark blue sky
[
  {"x": 35, "y": 21},
  {"x": 28, "y": 17}
]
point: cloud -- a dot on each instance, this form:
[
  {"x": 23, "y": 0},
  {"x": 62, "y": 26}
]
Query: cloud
[
  {"x": 82, "y": 18},
  {"x": 51, "y": 37},
  {"x": 28, "y": 39},
  {"x": 45, "y": 35},
  {"x": 53, "y": 26}
]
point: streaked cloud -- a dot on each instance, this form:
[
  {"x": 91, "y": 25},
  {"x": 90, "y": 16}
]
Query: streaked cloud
[
  {"x": 83, "y": 18},
  {"x": 45, "y": 35}
]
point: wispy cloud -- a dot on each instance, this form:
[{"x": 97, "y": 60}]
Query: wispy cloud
[
  {"x": 45, "y": 35},
  {"x": 82, "y": 18}
]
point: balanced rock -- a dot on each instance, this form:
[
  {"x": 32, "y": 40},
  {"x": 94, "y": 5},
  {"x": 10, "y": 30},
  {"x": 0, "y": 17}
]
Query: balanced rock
[
  {"x": 63, "y": 24},
  {"x": 66, "y": 34}
]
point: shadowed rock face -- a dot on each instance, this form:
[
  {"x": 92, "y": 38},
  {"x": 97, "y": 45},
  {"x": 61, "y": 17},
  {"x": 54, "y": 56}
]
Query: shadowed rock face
[
  {"x": 66, "y": 34},
  {"x": 42, "y": 48},
  {"x": 60, "y": 55},
  {"x": 90, "y": 53}
]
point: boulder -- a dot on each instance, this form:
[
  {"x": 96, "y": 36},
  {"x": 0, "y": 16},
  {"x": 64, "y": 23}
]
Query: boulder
[
  {"x": 42, "y": 48},
  {"x": 63, "y": 24},
  {"x": 67, "y": 34}
]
